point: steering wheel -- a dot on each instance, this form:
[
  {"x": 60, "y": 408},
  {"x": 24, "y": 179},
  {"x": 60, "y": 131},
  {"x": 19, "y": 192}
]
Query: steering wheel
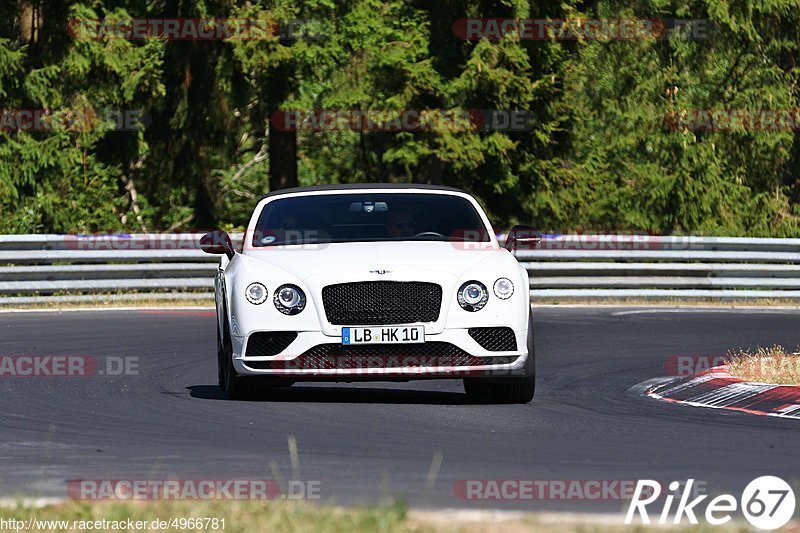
[{"x": 429, "y": 234}]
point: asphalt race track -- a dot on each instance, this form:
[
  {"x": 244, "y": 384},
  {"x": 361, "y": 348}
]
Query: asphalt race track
[{"x": 367, "y": 442}]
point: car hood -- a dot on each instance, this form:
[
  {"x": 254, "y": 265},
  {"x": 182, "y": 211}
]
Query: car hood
[{"x": 389, "y": 260}]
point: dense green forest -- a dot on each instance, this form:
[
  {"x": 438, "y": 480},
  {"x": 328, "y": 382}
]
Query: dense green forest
[{"x": 611, "y": 141}]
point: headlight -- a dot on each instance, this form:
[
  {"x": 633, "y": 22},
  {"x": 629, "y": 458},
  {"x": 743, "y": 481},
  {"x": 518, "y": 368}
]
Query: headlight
[
  {"x": 289, "y": 299},
  {"x": 256, "y": 293},
  {"x": 503, "y": 288},
  {"x": 472, "y": 295}
]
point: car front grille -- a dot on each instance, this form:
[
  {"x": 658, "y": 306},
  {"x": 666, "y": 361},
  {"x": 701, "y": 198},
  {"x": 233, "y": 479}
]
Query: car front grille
[
  {"x": 263, "y": 343},
  {"x": 375, "y": 303},
  {"x": 428, "y": 349},
  {"x": 423, "y": 355},
  {"x": 495, "y": 339}
]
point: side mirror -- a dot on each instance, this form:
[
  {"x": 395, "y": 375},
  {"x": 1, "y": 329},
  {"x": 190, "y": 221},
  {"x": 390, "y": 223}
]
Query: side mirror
[
  {"x": 217, "y": 242},
  {"x": 523, "y": 234}
]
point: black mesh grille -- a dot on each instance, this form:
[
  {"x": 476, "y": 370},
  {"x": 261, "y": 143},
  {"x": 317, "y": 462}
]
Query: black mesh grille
[
  {"x": 436, "y": 348},
  {"x": 423, "y": 355},
  {"x": 495, "y": 339},
  {"x": 269, "y": 342},
  {"x": 382, "y": 302}
]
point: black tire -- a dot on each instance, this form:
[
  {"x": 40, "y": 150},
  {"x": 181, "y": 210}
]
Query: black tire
[
  {"x": 234, "y": 386},
  {"x": 510, "y": 390},
  {"x": 478, "y": 390},
  {"x": 220, "y": 361}
]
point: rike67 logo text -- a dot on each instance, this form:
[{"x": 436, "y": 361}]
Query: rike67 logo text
[{"x": 768, "y": 502}]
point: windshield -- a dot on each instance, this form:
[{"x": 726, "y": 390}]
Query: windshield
[{"x": 368, "y": 217}]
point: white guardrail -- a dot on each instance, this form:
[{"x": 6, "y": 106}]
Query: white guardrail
[{"x": 73, "y": 268}]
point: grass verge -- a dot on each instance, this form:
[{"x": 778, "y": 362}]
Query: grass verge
[
  {"x": 288, "y": 517},
  {"x": 766, "y": 365},
  {"x": 105, "y": 300},
  {"x": 166, "y": 299},
  {"x": 230, "y": 516},
  {"x": 671, "y": 302}
]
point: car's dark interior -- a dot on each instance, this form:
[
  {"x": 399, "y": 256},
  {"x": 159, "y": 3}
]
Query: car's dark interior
[{"x": 368, "y": 217}]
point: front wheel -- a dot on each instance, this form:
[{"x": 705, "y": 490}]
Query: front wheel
[
  {"x": 508, "y": 390},
  {"x": 234, "y": 386}
]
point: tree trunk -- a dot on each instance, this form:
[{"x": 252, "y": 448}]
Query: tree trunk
[
  {"x": 282, "y": 144},
  {"x": 30, "y": 21}
]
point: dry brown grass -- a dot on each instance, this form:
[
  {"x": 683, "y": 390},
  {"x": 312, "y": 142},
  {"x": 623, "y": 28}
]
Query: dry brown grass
[
  {"x": 766, "y": 365},
  {"x": 793, "y": 303},
  {"x": 167, "y": 299},
  {"x": 114, "y": 300}
]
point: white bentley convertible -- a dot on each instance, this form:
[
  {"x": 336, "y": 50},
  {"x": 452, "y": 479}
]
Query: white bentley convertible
[{"x": 373, "y": 282}]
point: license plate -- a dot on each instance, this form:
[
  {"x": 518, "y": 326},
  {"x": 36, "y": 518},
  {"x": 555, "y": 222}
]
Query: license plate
[{"x": 384, "y": 335}]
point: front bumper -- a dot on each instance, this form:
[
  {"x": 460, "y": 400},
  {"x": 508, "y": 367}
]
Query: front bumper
[{"x": 452, "y": 353}]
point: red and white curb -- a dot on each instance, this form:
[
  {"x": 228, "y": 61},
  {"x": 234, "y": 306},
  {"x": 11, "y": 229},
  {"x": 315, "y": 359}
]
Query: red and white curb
[{"x": 715, "y": 388}]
